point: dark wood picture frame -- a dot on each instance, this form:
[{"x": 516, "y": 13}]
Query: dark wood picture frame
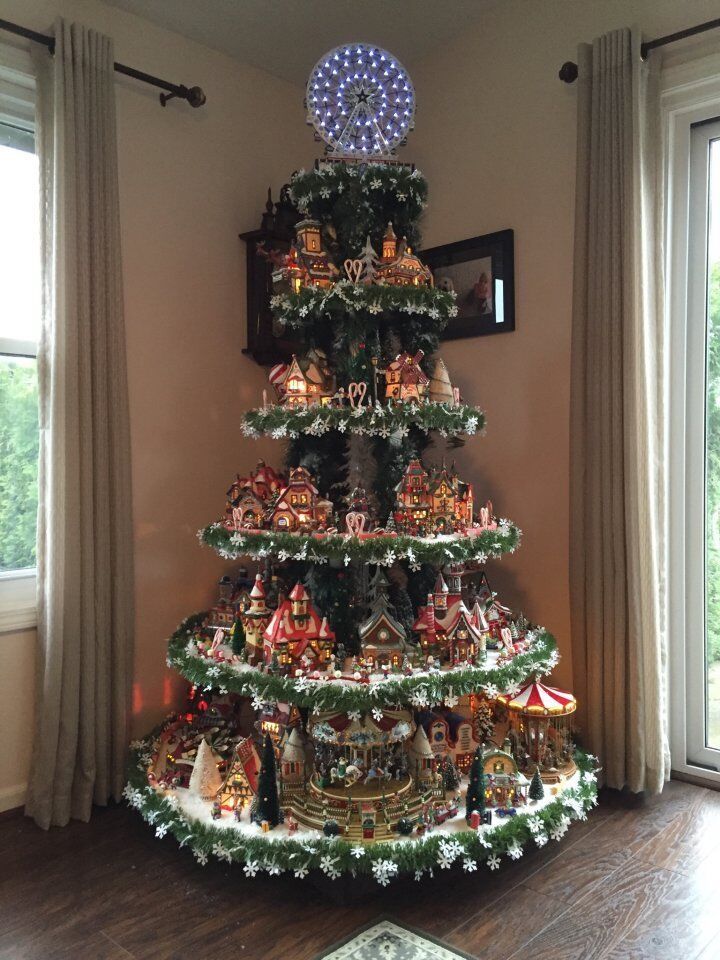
[{"x": 486, "y": 303}]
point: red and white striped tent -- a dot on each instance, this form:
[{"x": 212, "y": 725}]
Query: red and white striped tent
[{"x": 535, "y": 698}]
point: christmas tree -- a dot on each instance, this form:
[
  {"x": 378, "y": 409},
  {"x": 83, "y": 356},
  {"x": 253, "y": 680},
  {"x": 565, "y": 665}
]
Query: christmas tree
[
  {"x": 205, "y": 780},
  {"x": 475, "y": 796},
  {"x": 362, "y": 652},
  {"x": 537, "y": 790},
  {"x": 267, "y": 804}
]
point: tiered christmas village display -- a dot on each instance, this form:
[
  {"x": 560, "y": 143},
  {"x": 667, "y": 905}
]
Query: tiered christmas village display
[{"x": 362, "y": 702}]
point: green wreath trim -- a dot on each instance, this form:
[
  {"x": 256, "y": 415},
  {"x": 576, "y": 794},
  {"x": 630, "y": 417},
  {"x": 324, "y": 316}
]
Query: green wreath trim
[
  {"x": 421, "y": 691},
  {"x": 335, "y": 857},
  {"x": 374, "y": 421},
  {"x": 358, "y": 303},
  {"x": 384, "y": 549}
]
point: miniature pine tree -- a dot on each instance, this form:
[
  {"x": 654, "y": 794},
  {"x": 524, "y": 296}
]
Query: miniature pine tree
[
  {"x": 484, "y": 722},
  {"x": 369, "y": 260},
  {"x": 205, "y": 780},
  {"x": 475, "y": 797},
  {"x": 537, "y": 790},
  {"x": 451, "y": 777},
  {"x": 237, "y": 637},
  {"x": 267, "y": 804}
]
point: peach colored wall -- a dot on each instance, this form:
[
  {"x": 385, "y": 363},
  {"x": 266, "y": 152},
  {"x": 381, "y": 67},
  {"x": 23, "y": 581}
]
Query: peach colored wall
[
  {"x": 190, "y": 181},
  {"x": 496, "y": 139}
]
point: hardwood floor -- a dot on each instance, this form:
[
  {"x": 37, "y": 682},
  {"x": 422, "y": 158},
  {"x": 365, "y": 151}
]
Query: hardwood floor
[{"x": 628, "y": 884}]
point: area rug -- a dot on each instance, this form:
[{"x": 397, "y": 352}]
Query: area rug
[{"x": 388, "y": 940}]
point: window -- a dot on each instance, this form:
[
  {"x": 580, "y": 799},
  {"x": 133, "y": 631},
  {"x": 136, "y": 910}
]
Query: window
[
  {"x": 693, "y": 138},
  {"x": 19, "y": 332}
]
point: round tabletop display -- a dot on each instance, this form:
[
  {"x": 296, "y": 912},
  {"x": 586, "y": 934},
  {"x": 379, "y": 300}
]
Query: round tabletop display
[{"x": 361, "y": 101}]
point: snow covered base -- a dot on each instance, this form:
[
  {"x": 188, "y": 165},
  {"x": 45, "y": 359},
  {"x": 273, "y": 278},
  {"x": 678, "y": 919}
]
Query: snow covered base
[{"x": 189, "y": 820}]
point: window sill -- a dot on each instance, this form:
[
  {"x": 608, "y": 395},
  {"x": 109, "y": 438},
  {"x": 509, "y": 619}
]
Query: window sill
[{"x": 18, "y": 601}]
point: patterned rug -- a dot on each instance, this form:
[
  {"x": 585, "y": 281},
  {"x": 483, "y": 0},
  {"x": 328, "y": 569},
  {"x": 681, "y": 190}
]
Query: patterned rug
[{"x": 388, "y": 940}]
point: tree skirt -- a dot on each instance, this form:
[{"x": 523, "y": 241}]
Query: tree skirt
[{"x": 388, "y": 938}]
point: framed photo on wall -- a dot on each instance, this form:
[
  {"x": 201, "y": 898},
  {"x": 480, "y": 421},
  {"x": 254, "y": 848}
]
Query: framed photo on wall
[{"x": 481, "y": 271}]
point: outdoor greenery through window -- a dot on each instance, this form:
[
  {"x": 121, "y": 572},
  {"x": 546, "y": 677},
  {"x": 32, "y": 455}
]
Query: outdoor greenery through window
[
  {"x": 19, "y": 331},
  {"x": 712, "y": 454}
]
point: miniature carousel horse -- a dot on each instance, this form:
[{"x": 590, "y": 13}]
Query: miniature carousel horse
[
  {"x": 377, "y": 773},
  {"x": 349, "y": 773}
]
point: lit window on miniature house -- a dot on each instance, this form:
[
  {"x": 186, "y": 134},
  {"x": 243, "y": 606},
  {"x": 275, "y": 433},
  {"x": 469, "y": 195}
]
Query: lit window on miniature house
[{"x": 295, "y": 384}]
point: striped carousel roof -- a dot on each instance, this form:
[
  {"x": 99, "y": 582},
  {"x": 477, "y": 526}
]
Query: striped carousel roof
[{"x": 536, "y": 698}]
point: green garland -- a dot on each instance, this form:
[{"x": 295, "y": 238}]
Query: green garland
[
  {"x": 362, "y": 306},
  {"x": 377, "y": 421},
  {"x": 383, "y": 550},
  {"x": 420, "y": 691},
  {"x": 334, "y": 856}
]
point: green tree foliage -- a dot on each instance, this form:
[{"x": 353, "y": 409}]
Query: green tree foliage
[
  {"x": 713, "y": 468},
  {"x": 475, "y": 797},
  {"x": 19, "y": 437},
  {"x": 267, "y": 803},
  {"x": 237, "y": 637}
]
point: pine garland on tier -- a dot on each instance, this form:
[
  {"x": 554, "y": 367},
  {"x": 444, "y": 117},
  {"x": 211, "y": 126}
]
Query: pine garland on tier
[
  {"x": 388, "y": 422},
  {"x": 334, "y": 857},
  {"x": 424, "y": 310},
  {"x": 383, "y": 549},
  {"x": 422, "y": 691}
]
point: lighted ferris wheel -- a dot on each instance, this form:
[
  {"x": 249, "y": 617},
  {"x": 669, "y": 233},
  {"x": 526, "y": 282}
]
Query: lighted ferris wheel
[{"x": 361, "y": 101}]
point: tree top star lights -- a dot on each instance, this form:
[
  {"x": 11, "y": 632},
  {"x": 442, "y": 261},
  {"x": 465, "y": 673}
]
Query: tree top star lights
[{"x": 361, "y": 101}]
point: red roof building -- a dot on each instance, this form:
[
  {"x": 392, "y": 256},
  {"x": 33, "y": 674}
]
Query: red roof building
[
  {"x": 297, "y": 634},
  {"x": 405, "y": 379}
]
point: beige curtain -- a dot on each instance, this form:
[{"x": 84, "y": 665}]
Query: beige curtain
[
  {"x": 617, "y": 568},
  {"x": 85, "y": 577}
]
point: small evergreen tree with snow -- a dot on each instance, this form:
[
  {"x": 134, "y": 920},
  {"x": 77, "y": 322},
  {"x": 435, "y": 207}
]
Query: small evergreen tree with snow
[
  {"x": 205, "y": 780},
  {"x": 537, "y": 790},
  {"x": 451, "y": 777},
  {"x": 475, "y": 797},
  {"x": 369, "y": 260},
  {"x": 267, "y": 803}
]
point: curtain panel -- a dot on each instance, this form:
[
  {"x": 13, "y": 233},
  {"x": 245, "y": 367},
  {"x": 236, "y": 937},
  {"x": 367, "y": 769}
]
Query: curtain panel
[
  {"x": 85, "y": 560},
  {"x": 617, "y": 510}
]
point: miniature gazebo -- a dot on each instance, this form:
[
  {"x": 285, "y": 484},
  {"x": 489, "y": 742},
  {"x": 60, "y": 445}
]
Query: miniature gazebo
[{"x": 539, "y": 729}]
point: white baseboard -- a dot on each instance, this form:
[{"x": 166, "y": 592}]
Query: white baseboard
[{"x": 11, "y": 797}]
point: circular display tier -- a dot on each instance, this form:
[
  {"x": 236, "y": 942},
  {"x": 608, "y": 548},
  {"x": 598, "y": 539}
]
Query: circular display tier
[
  {"x": 360, "y": 308},
  {"x": 423, "y": 688},
  {"x": 378, "y": 548},
  {"x": 298, "y": 848},
  {"x": 391, "y": 421}
]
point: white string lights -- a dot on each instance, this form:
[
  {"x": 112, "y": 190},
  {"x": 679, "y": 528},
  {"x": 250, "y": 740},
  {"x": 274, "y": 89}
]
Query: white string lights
[{"x": 361, "y": 101}]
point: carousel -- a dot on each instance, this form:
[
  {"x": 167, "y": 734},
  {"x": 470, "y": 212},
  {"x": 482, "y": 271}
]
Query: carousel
[
  {"x": 363, "y": 781},
  {"x": 539, "y": 730}
]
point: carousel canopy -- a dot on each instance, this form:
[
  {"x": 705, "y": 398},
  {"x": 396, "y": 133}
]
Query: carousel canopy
[
  {"x": 536, "y": 698},
  {"x": 339, "y": 728}
]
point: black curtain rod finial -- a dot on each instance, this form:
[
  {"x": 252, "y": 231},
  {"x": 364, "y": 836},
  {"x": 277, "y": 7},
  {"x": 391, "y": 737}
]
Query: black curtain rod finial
[
  {"x": 568, "y": 72},
  {"x": 195, "y": 96}
]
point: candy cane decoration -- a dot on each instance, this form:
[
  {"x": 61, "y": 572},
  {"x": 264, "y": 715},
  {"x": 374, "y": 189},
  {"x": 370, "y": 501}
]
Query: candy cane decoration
[
  {"x": 356, "y": 393},
  {"x": 353, "y": 269},
  {"x": 355, "y": 522}
]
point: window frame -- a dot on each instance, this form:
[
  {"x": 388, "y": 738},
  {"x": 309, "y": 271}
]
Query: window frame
[
  {"x": 690, "y": 98},
  {"x": 18, "y": 588}
]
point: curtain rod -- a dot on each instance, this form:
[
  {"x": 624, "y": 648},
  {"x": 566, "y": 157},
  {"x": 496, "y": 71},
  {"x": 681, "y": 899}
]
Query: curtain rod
[
  {"x": 194, "y": 95},
  {"x": 568, "y": 71}
]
